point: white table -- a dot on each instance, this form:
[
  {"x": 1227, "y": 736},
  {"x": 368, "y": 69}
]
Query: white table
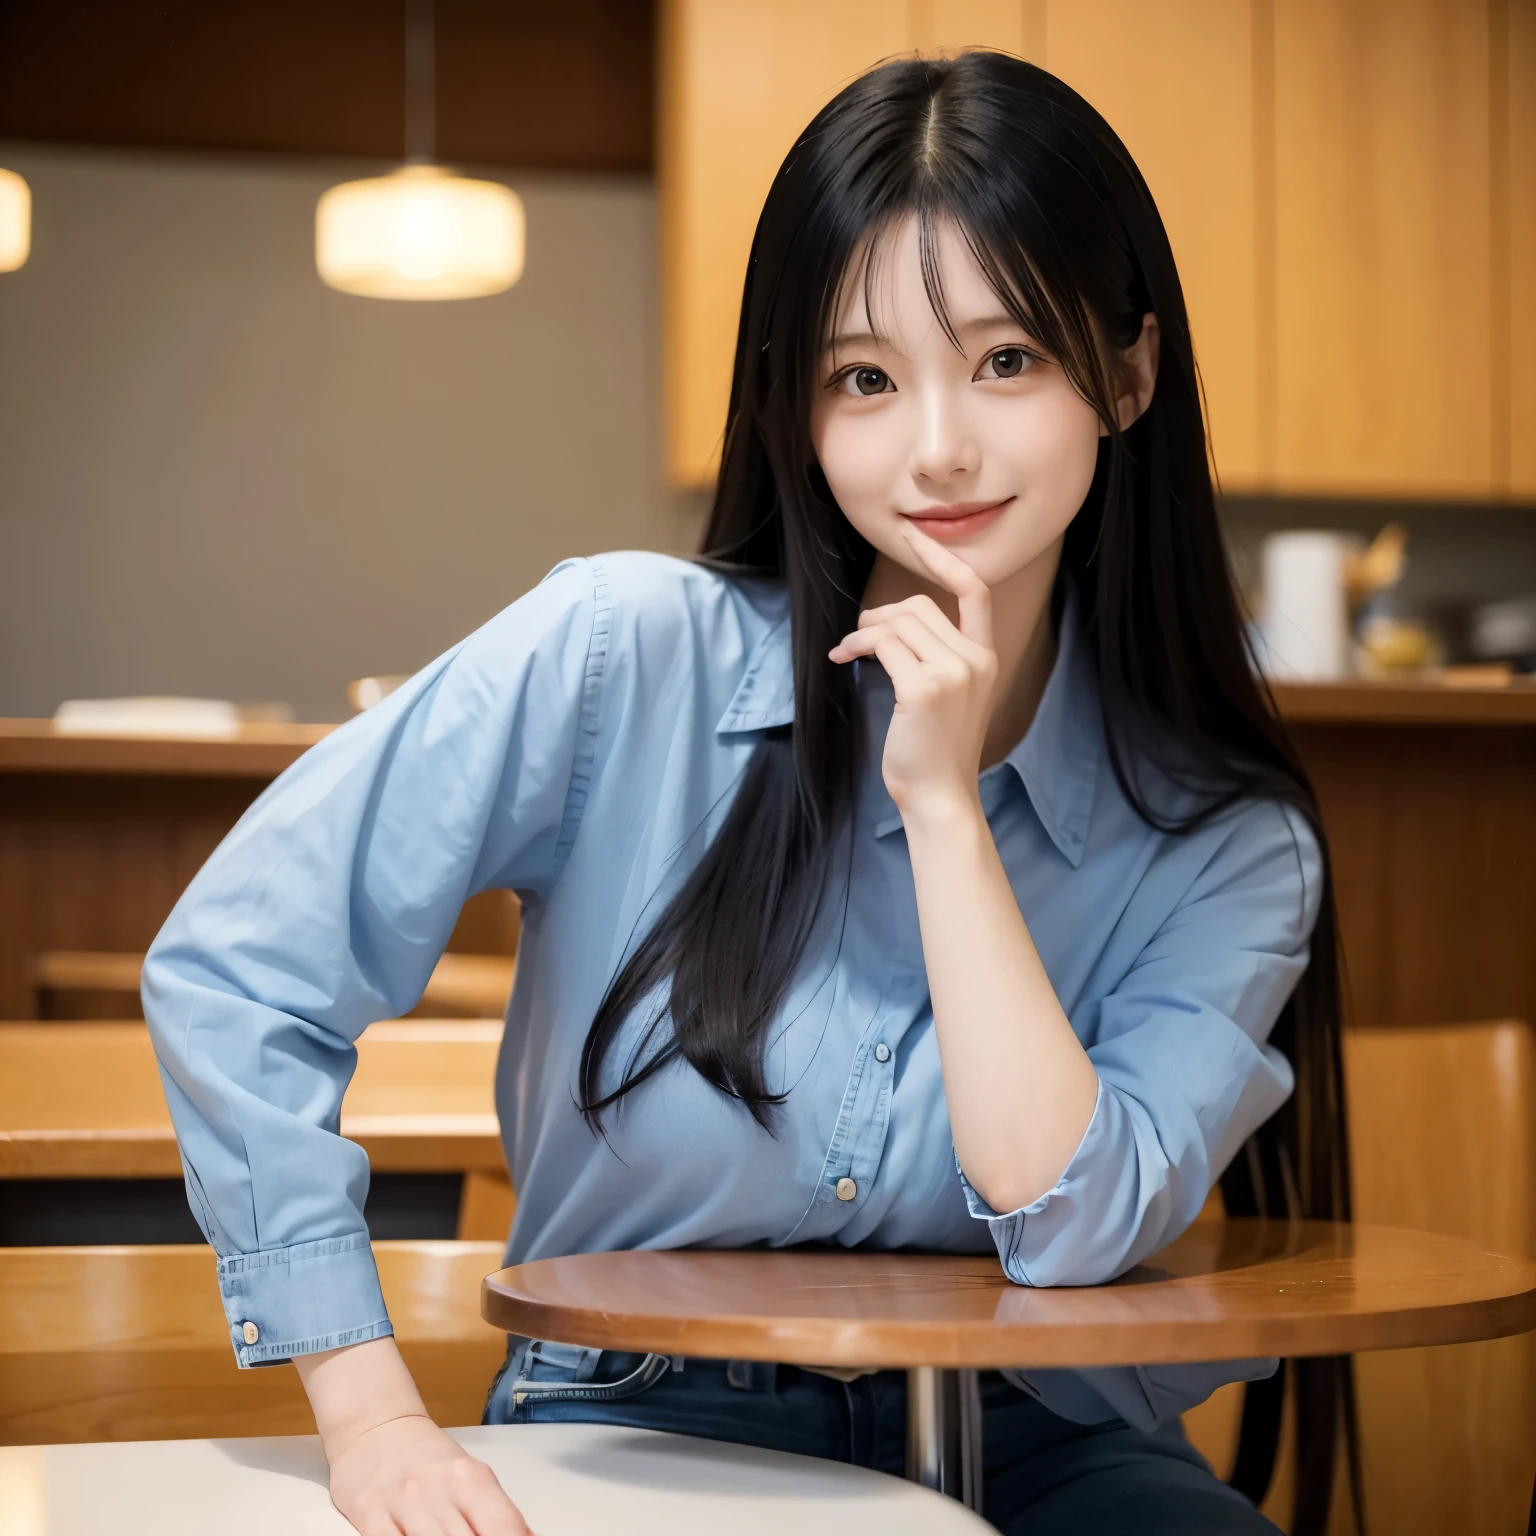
[{"x": 568, "y": 1479}]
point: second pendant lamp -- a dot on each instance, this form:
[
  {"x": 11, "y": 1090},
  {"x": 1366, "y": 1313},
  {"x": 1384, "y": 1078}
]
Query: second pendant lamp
[{"x": 422, "y": 232}]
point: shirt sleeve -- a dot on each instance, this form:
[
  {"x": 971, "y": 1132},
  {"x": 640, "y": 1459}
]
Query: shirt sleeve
[
  {"x": 1185, "y": 1074},
  {"x": 325, "y": 909}
]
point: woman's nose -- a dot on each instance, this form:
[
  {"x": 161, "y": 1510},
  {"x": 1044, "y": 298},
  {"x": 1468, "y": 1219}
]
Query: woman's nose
[{"x": 945, "y": 447}]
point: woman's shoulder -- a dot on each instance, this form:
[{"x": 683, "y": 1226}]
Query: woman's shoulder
[
  {"x": 1260, "y": 850},
  {"x": 642, "y": 601},
  {"x": 657, "y": 590},
  {"x": 652, "y": 620}
]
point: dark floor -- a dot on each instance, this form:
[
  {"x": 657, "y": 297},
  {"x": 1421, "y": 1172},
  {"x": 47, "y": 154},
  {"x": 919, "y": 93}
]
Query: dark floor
[{"x": 47, "y": 1212}]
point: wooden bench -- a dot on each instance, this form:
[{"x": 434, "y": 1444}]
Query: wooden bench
[
  {"x": 132, "y": 1343},
  {"x": 466, "y": 986},
  {"x": 84, "y": 1100},
  {"x": 1442, "y": 1138}
]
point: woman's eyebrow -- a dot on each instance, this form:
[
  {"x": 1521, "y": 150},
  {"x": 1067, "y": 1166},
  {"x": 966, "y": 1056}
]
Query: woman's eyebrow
[
  {"x": 862, "y": 338},
  {"x": 990, "y": 322}
]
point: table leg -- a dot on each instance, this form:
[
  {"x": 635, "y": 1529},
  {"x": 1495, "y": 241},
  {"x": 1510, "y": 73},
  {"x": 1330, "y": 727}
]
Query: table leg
[{"x": 944, "y": 1432}]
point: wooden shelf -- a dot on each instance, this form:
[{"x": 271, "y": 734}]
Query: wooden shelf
[
  {"x": 259, "y": 751},
  {"x": 1406, "y": 703}
]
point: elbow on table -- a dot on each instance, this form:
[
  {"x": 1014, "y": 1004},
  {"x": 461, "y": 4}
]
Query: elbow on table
[
  {"x": 1050, "y": 1271},
  {"x": 1008, "y": 1192}
]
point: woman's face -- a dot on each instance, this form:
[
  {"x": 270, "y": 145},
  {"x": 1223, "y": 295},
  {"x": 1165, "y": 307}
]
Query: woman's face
[{"x": 988, "y": 447}]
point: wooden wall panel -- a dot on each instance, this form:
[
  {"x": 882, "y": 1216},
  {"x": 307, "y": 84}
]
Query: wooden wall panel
[
  {"x": 1519, "y": 270},
  {"x": 1382, "y": 220},
  {"x": 1175, "y": 80},
  {"x": 953, "y": 24},
  {"x": 725, "y": 129},
  {"x": 1433, "y": 834}
]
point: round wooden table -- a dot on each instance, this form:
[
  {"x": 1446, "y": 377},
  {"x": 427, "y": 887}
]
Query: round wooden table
[{"x": 1226, "y": 1290}]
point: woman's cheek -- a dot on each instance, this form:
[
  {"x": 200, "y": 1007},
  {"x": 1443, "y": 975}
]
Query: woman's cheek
[
  {"x": 855, "y": 458},
  {"x": 1057, "y": 453}
]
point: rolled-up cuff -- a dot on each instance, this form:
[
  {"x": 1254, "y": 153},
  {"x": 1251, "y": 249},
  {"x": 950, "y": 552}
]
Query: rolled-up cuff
[
  {"x": 303, "y": 1299},
  {"x": 1083, "y": 1230}
]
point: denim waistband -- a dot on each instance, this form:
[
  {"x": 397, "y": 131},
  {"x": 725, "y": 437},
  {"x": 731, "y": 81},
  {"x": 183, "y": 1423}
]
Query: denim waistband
[{"x": 547, "y": 1371}]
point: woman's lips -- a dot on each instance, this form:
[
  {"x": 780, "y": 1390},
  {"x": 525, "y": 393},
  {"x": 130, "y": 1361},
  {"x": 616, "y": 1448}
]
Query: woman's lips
[{"x": 949, "y": 526}]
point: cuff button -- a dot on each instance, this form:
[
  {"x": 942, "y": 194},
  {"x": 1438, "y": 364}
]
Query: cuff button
[
  {"x": 846, "y": 1189},
  {"x": 250, "y": 1332}
]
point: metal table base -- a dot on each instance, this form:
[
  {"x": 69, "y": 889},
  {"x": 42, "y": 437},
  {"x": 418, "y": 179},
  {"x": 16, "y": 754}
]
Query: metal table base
[{"x": 944, "y": 1432}]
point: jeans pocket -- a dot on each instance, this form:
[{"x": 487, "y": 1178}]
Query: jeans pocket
[{"x": 544, "y": 1373}]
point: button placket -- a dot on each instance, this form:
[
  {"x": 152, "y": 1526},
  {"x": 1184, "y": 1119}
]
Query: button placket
[
  {"x": 859, "y": 1138},
  {"x": 870, "y": 1098}
]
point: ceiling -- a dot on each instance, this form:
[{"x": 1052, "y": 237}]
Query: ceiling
[{"x": 525, "y": 84}]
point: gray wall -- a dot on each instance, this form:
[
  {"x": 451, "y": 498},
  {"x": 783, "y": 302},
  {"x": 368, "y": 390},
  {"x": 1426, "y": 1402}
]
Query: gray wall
[{"x": 220, "y": 478}]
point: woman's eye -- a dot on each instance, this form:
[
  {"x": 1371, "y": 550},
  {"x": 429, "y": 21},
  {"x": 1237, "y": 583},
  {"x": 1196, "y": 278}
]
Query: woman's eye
[
  {"x": 1007, "y": 362},
  {"x": 866, "y": 381}
]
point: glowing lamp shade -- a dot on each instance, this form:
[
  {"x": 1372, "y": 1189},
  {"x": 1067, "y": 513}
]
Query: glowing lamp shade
[
  {"x": 420, "y": 234},
  {"x": 15, "y": 221}
]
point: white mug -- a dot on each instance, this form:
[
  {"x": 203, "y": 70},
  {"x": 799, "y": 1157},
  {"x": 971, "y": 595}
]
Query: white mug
[{"x": 1305, "y": 622}]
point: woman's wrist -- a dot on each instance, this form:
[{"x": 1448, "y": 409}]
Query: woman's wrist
[
  {"x": 357, "y": 1389},
  {"x": 941, "y": 813}
]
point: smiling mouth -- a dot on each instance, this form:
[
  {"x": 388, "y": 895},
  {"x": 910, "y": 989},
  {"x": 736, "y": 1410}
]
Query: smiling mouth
[{"x": 954, "y": 522}]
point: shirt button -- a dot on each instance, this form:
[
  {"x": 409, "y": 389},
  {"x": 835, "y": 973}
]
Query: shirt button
[
  {"x": 846, "y": 1189},
  {"x": 250, "y": 1332},
  {"x": 882, "y": 1052}
]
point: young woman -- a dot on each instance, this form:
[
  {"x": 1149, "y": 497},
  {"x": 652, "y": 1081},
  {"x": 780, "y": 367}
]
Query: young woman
[{"x": 921, "y": 867}]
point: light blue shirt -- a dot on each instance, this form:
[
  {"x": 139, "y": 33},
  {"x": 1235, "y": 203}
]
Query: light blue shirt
[{"x": 580, "y": 749}]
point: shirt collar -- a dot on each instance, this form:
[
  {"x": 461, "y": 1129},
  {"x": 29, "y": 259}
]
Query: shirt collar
[
  {"x": 1056, "y": 760},
  {"x": 765, "y": 696}
]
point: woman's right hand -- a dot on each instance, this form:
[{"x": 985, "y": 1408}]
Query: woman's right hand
[
  {"x": 406, "y": 1477},
  {"x": 393, "y": 1471}
]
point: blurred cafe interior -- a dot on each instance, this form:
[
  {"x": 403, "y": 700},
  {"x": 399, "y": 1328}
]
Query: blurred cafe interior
[{"x": 328, "y": 328}]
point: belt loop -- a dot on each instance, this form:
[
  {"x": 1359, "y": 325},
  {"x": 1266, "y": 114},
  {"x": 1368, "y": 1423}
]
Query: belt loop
[{"x": 751, "y": 1375}]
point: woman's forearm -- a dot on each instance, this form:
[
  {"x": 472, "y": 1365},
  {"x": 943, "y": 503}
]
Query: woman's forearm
[
  {"x": 1020, "y": 1087},
  {"x": 356, "y": 1389}
]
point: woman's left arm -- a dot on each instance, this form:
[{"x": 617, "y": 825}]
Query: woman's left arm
[
  {"x": 1020, "y": 1086},
  {"x": 1082, "y": 1161}
]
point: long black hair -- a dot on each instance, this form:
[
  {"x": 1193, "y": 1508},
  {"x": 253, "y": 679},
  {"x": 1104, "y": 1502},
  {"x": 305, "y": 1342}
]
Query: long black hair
[{"x": 1062, "y": 225}]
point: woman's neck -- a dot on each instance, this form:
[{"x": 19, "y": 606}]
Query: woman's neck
[{"x": 1022, "y": 636}]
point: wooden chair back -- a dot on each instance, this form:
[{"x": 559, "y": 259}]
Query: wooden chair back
[
  {"x": 84, "y": 1100},
  {"x": 132, "y": 1344},
  {"x": 1442, "y": 1138}
]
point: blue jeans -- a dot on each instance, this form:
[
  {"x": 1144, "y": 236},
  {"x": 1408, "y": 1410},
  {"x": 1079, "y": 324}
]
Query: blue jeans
[{"x": 1044, "y": 1475}]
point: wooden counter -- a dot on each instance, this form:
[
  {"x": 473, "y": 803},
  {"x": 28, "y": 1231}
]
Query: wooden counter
[
  {"x": 1407, "y": 703},
  {"x": 1428, "y": 791},
  {"x": 259, "y": 751}
]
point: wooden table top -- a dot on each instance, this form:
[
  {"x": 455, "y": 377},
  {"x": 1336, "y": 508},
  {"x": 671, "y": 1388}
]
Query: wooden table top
[
  {"x": 84, "y": 1100},
  {"x": 1226, "y": 1290},
  {"x": 565, "y": 1477}
]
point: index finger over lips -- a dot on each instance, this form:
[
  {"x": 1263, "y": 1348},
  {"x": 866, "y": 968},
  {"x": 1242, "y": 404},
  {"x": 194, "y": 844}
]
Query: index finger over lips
[{"x": 954, "y": 575}]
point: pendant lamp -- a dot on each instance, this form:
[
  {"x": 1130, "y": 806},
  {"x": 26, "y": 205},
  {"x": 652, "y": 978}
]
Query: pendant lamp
[
  {"x": 15, "y": 221},
  {"x": 422, "y": 232}
]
